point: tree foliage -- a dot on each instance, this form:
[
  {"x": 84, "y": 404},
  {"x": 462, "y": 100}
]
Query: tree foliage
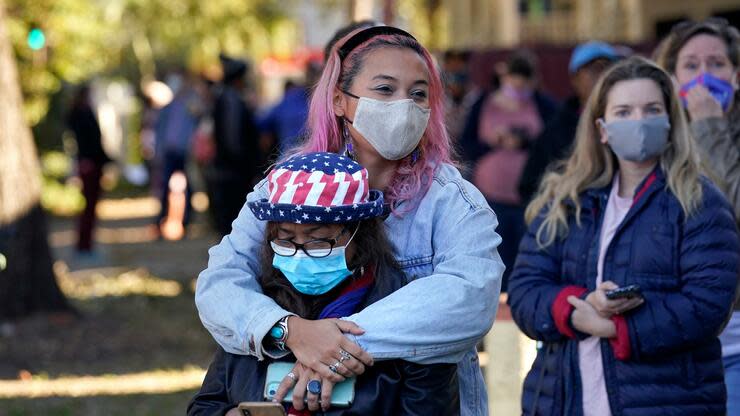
[{"x": 131, "y": 38}]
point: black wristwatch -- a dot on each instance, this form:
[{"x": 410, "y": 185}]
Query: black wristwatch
[{"x": 279, "y": 333}]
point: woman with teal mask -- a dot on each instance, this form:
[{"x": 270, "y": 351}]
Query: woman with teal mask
[
  {"x": 704, "y": 59},
  {"x": 325, "y": 256}
]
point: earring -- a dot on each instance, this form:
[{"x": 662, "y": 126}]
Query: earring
[
  {"x": 349, "y": 150},
  {"x": 415, "y": 156}
]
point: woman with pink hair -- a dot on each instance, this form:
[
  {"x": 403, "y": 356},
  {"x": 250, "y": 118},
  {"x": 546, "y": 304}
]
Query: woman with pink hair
[{"x": 380, "y": 101}]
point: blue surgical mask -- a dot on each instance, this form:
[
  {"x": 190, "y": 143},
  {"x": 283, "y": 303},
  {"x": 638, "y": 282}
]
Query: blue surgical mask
[
  {"x": 721, "y": 90},
  {"x": 311, "y": 275}
]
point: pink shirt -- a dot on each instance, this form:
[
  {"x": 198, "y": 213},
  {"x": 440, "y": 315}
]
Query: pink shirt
[
  {"x": 595, "y": 398},
  {"x": 497, "y": 173}
]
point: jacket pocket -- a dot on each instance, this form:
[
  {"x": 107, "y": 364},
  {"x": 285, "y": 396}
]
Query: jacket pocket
[{"x": 417, "y": 267}]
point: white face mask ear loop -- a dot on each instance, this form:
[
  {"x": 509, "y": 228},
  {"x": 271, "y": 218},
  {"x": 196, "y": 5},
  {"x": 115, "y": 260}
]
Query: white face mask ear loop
[
  {"x": 353, "y": 234},
  {"x": 362, "y": 268}
]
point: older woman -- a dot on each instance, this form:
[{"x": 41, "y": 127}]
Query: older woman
[{"x": 704, "y": 57}]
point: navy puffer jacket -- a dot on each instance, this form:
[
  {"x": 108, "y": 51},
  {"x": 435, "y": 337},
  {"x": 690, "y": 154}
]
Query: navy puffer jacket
[{"x": 687, "y": 269}]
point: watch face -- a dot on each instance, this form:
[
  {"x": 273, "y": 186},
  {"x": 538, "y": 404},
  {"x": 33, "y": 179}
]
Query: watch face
[{"x": 277, "y": 332}]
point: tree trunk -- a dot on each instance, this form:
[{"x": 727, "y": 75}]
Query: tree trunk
[{"x": 27, "y": 283}]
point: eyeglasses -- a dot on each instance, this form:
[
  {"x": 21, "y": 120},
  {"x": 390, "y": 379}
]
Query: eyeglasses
[{"x": 318, "y": 248}]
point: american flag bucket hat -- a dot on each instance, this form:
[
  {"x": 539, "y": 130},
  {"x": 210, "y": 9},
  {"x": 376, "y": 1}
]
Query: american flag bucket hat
[{"x": 318, "y": 188}]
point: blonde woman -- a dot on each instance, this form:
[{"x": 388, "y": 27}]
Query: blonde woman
[{"x": 628, "y": 210}]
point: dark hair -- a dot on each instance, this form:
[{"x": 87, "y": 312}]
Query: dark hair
[
  {"x": 81, "y": 97},
  {"x": 668, "y": 50},
  {"x": 355, "y": 59},
  {"x": 372, "y": 249},
  {"x": 344, "y": 31},
  {"x": 522, "y": 63}
]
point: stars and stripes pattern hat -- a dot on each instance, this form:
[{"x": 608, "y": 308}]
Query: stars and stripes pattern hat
[{"x": 318, "y": 188}]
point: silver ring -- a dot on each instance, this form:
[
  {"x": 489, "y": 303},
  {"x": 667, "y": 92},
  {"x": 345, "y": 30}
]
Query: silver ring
[
  {"x": 345, "y": 354},
  {"x": 343, "y": 359},
  {"x": 291, "y": 376},
  {"x": 335, "y": 367}
]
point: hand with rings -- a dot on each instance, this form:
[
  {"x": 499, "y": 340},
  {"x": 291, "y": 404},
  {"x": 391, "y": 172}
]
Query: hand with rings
[{"x": 309, "y": 389}]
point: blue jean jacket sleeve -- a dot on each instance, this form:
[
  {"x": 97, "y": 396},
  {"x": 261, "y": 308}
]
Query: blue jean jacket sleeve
[
  {"x": 440, "y": 317},
  {"x": 709, "y": 266},
  {"x": 228, "y": 296},
  {"x": 434, "y": 319},
  {"x": 534, "y": 284}
]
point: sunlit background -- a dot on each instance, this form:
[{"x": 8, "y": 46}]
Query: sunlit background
[{"x": 137, "y": 346}]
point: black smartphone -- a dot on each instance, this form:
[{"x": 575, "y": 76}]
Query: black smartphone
[{"x": 626, "y": 292}]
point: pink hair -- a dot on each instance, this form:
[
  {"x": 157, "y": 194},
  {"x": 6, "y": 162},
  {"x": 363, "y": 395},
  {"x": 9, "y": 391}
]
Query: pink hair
[{"x": 325, "y": 129}]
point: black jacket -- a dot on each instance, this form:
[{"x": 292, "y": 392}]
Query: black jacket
[
  {"x": 387, "y": 388},
  {"x": 554, "y": 143},
  {"x": 85, "y": 127},
  {"x": 235, "y": 134},
  {"x": 393, "y": 387},
  {"x": 471, "y": 148}
]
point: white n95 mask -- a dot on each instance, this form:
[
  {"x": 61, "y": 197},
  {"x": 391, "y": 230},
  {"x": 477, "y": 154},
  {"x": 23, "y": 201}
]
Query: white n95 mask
[{"x": 393, "y": 128}]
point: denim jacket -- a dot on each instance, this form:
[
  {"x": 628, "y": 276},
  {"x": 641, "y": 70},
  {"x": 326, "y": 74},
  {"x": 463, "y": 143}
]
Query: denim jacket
[{"x": 446, "y": 247}]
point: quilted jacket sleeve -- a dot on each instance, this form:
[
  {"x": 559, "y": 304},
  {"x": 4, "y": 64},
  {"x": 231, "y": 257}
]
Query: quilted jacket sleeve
[
  {"x": 534, "y": 285},
  {"x": 708, "y": 259}
]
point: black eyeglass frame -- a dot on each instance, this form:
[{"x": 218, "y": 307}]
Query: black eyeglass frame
[{"x": 302, "y": 246}]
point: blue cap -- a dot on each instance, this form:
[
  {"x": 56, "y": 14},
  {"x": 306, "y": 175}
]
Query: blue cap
[{"x": 589, "y": 51}]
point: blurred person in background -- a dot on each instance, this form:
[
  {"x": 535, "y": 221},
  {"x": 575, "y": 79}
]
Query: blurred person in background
[
  {"x": 629, "y": 207},
  {"x": 587, "y": 62},
  {"x": 499, "y": 130},
  {"x": 703, "y": 58},
  {"x": 459, "y": 96},
  {"x": 176, "y": 124},
  {"x": 155, "y": 94},
  {"x": 91, "y": 158},
  {"x": 284, "y": 124},
  {"x": 237, "y": 164}
]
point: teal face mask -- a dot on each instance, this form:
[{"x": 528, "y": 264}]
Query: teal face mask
[{"x": 311, "y": 275}]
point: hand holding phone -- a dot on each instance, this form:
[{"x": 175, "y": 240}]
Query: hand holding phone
[
  {"x": 342, "y": 395},
  {"x": 609, "y": 299},
  {"x": 625, "y": 292}
]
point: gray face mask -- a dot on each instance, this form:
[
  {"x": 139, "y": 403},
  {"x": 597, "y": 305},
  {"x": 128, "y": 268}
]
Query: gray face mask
[
  {"x": 638, "y": 140},
  {"x": 393, "y": 128}
]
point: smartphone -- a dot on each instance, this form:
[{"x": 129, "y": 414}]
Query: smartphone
[
  {"x": 626, "y": 292},
  {"x": 342, "y": 395},
  {"x": 261, "y": 409}
]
